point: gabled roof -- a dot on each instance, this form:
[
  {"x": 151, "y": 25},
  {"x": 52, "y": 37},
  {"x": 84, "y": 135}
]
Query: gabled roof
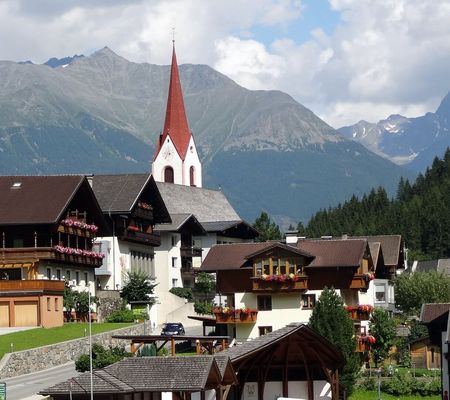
[
  {"x": 152, "y": 374},
  {"x": 320, "y": 349},
  {"x": 432, "y": 311},
  {"x": 175, "y": 124},
  {"x": 230, "y": 256},
  {"x": 207, "y": 205},
  {"x": 282, "y": 246},
  {"x": 334, "y": 253},
  {"x": 440, "y": 265},
  {"x": 390, "y": 245},
  {"x": 179, "y": 221},
  {"x": 119, "y": 193},
  {"x": 41, "y": 199}
]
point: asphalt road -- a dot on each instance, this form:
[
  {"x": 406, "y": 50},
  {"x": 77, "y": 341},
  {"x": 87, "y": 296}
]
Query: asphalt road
[{"x": 26, "y": 386}]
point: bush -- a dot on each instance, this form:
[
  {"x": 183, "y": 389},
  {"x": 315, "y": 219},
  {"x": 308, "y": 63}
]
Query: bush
[
  {"x": 121, "y": 316},
  {"x": 368, "y": 384},
  {"x": 405, "y": 386},
  {"x": 185, "y": 293},
  {"x": 101, "y": 357},
  {"x": 147, "y": 351},
  {"x": 203, "y": 308}
]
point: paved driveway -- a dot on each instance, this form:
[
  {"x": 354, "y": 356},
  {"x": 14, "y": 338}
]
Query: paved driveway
[{"x": 4, "y": 331}]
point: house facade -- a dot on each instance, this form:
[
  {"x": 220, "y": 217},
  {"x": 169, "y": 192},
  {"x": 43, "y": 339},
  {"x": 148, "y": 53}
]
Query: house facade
[
  {"x": 48, "y": 225},
  {"x": 266, "y": 286}
]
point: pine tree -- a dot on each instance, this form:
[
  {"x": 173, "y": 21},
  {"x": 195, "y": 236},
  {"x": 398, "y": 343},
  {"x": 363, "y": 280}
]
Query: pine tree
[
  {"x": 331, "y": 320},
  {"x": 268, "y": 229}
]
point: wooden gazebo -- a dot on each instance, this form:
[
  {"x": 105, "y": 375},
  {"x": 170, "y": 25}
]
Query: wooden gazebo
[{"x": 295, "y": 355}]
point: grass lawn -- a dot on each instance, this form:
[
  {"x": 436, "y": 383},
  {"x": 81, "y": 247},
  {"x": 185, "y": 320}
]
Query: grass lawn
[
  {"x": 41, "y": 336},
  {"x": 373, "y": 395}
]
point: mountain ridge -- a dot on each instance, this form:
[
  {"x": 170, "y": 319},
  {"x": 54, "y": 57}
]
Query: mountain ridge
[{"x": 103, "y": 114}]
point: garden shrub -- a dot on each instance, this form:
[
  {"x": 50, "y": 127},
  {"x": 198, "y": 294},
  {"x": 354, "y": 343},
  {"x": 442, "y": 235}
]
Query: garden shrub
[
  {"x": 203, "y": 308},
  {"x": 185, "y": 293},
  {"x": 101, "y": 357},
  {"x": 121, "y": 316}
]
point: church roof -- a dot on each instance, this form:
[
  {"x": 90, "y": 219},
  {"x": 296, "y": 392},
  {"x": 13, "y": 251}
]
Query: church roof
[
  {"x": 175, "y": 124},
  {"x": 207, "y": 205}
]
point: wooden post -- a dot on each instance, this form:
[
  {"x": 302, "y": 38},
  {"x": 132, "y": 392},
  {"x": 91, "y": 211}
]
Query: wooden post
[
  {"x": 172, "y": 345},
  {"x": 197, "y": 346}
]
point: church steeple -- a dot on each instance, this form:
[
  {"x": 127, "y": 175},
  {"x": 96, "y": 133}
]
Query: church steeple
[
  {"x": 176, "y": 159},
  {"x": 175, "y": 123}
]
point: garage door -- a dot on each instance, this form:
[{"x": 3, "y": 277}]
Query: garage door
[
  {"x": 4, "y": 314},
  {"x": 26, "y": 313}
]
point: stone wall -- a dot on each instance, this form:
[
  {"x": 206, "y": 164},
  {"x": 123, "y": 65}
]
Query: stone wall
[
  {"x": 40, "y": 358},
  {"x": 108, "y": 302}
]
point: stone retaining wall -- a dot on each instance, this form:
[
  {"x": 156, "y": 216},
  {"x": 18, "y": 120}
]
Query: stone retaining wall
[{"x": 40, "y": 358}]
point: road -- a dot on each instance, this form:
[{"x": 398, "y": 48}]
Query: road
[{"x": 26, "y": 386}]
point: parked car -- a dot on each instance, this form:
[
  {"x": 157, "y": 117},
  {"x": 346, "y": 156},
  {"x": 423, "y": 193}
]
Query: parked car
[{"x": 172, "y": 328}]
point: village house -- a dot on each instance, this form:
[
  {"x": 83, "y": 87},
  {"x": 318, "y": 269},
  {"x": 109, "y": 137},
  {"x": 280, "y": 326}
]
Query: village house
[
  {"x": 436, "y": 318},
  {"x": 265, "y": 286},
  {"x": 47, "y": 228}
]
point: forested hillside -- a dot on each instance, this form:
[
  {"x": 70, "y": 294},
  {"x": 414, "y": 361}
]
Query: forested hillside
[{"x": 420, "y": 212}]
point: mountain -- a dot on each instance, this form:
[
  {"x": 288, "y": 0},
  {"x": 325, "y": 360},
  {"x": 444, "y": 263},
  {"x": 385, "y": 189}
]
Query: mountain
[
  {"x": 413, "y": 142},
  {"x": 103, "y": 114},
  {"x": 61, "y": 62}
]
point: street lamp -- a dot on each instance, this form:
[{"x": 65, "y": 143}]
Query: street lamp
[{"x": 90, "y": 339}]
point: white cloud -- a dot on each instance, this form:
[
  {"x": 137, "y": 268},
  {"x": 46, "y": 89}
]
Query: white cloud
[{"x": 383, "y": 57}]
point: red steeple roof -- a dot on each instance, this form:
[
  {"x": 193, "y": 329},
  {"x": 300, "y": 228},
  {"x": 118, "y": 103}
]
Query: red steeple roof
[{"x": 175, "y": 124}]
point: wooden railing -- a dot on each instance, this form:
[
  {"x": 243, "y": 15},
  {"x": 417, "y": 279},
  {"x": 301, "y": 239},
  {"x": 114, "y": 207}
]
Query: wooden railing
[
  {"x": 236, "y": 317},
  {"x": 263, "y": 285},
  {"x": 152, "y": 239},
  {"x": 360, "y": 281},
  {"x": 34, "y": 254},
  {"x": 190, "y": 251},
  {"x": 37, "y": 285}
]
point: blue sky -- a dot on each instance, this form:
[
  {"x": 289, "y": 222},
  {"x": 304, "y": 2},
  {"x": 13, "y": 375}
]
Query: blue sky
[{"x": 346, "y": 60}]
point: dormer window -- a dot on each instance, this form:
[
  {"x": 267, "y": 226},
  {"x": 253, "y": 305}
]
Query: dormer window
[{"x": 277, "y": 265}]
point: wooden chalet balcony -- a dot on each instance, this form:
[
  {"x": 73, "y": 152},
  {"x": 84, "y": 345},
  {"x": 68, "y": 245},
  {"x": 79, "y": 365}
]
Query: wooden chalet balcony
[
  {"x": 29, "y": 255},
  {"x": 359, "y": 313},
  {"x": 38, "y": 285},
  {"x": 364, "y": 343},
  {"x": 190, "y": 251},
  {"x": 143, "y": 213},
  {"x": 232, "y": 316},
  {"x": 136, "y": 236},
  {"x": 360, "y": 281},
  {"x": 71, "y": 230},
  {"x": 274, "y": 283}
]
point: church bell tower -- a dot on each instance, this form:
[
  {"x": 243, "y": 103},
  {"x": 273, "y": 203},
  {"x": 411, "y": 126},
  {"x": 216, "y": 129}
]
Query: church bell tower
[{"x": 176, "y": 159}]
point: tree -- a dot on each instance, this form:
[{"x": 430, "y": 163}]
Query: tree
[
  {"x": 268, "y": 229},
  {"x": 138, "y": 287},
  {"x": 382, "y": 327},
  {"x": 101, "y": 357},
  {"x": 205, "y": 284},
  {"x": 330, "y": 319},
  {"x": 413, "y": 290}
]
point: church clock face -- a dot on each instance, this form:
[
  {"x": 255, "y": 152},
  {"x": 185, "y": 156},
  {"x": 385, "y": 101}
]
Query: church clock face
[{"x": 167, "y": 153}]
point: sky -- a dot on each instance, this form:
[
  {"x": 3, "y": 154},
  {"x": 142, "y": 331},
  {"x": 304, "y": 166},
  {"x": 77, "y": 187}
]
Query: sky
[{"x": 346, "y": 60}]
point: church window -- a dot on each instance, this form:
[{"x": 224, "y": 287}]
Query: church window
[
  {"x": 168, "y": 175},
  {"x": 191, "y": 176}
]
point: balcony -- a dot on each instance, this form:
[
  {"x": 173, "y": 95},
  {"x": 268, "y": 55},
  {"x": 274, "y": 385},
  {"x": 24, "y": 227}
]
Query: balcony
[
  {"x": 40, "y": 286},
  {"x": 361, "y": 281},
  {"x": 274, "y": 283},
  {"x": 143, "y": 213},
  {"x": 30, "y": 255},
  {"x": 72, "y": 230},
  {"x": 190, "y": 251},
  {"x": 360, "y": 312},
  {"x": 230, "y": 315},
  {"x": 137, "y": 236},
  {"x": 363, "y": 345}
]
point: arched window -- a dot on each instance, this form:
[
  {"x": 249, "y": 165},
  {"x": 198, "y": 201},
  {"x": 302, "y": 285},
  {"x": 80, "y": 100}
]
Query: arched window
[
  {"x": 191, "y": 176},
  {"x": 168, "y": 175}
]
